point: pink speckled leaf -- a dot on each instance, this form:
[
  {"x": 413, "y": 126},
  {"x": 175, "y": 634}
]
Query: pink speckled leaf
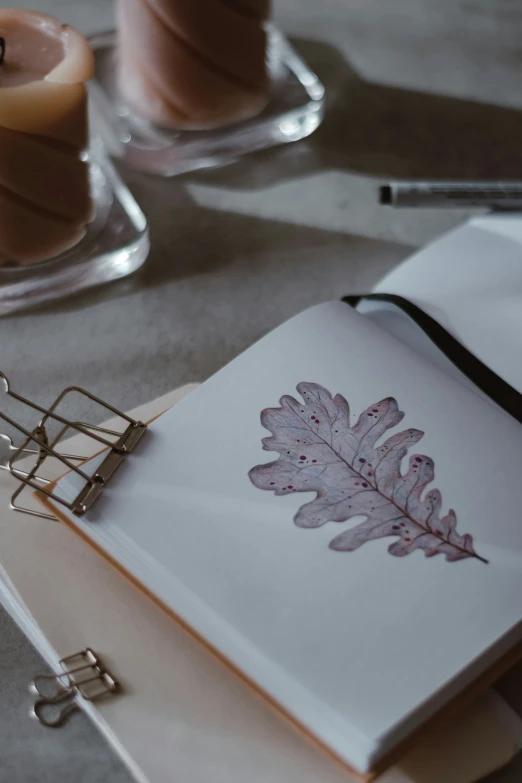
[{"x": 352, "y": 476}]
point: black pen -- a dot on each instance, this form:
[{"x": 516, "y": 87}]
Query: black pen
[{"x": 486, "y": 195}]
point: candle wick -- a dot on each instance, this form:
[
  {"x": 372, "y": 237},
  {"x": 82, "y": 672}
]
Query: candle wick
[{"x": 2, "y": 50}]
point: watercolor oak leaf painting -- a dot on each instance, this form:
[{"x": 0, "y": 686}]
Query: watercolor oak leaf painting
[{"x": 354, "y": 475}]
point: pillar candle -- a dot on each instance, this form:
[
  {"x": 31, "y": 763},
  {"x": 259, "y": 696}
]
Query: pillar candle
[
  {"x": 193, "y": 64},
  {"x": 45, "y": 201}
]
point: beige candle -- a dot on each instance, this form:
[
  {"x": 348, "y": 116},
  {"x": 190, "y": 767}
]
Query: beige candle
[
  {"x": 45, "y": 201},
  {"x": 193, "y": 63}
]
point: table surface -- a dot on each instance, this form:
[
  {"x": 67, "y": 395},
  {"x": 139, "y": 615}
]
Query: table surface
[{"x": 416, "y": 89}]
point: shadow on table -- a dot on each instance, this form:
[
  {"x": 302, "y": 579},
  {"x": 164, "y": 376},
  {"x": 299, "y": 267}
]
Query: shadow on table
[
  {"x": 386, "y": 131},
  {"x": 190, "y": 241}
]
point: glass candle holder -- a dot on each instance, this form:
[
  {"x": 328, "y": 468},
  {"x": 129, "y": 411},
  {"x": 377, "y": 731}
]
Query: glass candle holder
[
  {"x": 115, "y": 245},
  {"x": 294, "y": 109}
]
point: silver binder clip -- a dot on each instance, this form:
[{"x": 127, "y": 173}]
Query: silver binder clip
[
  {"x": 83, "y": 675},
  {"x": 38, "y": 447}
]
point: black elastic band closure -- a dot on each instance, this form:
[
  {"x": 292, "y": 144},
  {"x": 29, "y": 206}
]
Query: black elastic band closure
[{"x": 482, "y": 376}]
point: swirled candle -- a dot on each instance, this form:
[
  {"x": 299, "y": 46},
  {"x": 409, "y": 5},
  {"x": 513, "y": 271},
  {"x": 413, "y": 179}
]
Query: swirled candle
[
  {"x": 193, "y": 64},
  {"x": 45, "y": 201}
]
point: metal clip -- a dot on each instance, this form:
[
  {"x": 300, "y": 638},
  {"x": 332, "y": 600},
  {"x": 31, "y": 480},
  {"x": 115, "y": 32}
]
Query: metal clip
[
  {"x": 40, "y": 447},
  {"x": 90, "y": 680}
]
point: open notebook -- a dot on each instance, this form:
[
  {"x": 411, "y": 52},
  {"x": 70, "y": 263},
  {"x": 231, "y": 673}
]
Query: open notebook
[
  {"x": 327, "y": 565},
  {"x": 181, "y": 707}
]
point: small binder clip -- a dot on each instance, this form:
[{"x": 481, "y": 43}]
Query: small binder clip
[
  {"x": 38, "y": 447},
  {"x": 83, "y": 674}
]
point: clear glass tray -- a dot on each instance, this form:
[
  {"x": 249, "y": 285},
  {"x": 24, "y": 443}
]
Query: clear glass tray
[
  {"x": 294, "y": 110},
  {"x": 115, "y": 245}
]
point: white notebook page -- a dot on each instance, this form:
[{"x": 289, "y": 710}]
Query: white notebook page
[
  {"x": 470, "y": 280},
  {"x": 358, "y": 646}
]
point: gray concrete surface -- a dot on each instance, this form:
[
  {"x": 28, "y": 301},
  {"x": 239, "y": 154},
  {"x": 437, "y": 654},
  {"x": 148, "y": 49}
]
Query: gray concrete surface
[{"x": 416, "y": 88}]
